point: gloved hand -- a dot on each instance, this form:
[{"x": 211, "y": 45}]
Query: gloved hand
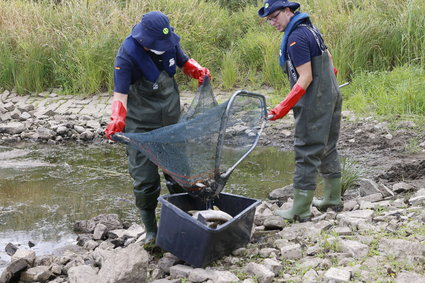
[
  {"x": 117, "y": 123},
  {"x": 283, "y": 108},
  {"x": 335, "y": 71},
  {"x": 196, "y": 71}
]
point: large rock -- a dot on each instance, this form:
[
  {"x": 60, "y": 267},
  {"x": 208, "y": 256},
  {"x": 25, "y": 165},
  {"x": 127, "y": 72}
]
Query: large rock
[
  {"x": 82, "y": 274},
  {"x": 403, "y": 249},
  {"x": 111, "y": 221},
  {"x": 36, "y": 274},
  {"x": 12, "y": 128},
  {"x": 13, "y": 270},
  {"x": 282, "y": 194},
  {"x": 126, "y": 265}
]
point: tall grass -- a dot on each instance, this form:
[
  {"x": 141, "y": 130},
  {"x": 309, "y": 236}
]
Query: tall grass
[
  {"x": 401, "y": 91},
  {"x": 72, "y": 44}
]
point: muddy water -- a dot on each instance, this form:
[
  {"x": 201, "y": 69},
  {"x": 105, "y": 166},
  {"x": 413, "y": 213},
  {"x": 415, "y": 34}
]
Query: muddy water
[{"x": 44, "y": 189}]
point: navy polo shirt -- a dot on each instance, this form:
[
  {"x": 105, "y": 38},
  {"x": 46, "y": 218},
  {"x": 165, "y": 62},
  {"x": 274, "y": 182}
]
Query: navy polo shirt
[
  {"x": 302, "y": 46},
  {"x": 126, "y": 72}
]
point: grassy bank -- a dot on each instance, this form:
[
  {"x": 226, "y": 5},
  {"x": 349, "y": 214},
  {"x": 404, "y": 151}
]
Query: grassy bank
[{"x": 72, "y": 45}]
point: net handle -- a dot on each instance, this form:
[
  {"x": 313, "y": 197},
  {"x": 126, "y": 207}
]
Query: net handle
[{"x": 223, "y": 177}]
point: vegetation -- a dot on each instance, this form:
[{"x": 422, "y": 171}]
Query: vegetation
[{"x": 71, "y": 44}]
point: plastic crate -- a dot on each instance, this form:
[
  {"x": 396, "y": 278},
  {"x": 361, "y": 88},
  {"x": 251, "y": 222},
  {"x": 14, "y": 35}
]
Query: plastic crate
[{"x": 196, "y": 243}]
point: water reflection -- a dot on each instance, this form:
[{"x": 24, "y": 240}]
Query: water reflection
[{"x": 45, "y": 189}]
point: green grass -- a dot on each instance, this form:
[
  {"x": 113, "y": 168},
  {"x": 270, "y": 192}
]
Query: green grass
[
  {"x": 401, "y": 91},
  {"x": 72, "y": 45},
  {"x": 350, "y": 174}
]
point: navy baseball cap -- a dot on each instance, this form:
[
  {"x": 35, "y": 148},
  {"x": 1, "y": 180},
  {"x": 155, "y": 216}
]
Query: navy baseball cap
[
  {"x": 155, "y": 32},
  {"x": 272, "y": 5}
]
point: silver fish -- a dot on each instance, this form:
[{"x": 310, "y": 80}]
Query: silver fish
[{"x": 211, "y": 217}]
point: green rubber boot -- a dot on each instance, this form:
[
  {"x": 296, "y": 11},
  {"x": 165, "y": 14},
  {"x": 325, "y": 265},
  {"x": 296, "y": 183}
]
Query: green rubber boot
[
  {"x": 332, "y": 196},
  {"x": 149, "y": 219},
  {"x": 300, "y": 210}
]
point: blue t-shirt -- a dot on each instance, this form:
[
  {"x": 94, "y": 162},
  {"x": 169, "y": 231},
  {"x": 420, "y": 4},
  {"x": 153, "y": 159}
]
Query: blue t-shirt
[
  {"x": 127, "y": 73},
  {"x": 302, "y": 46}
]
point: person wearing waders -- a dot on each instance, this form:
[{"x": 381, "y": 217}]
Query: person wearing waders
[
  {"x": 146, "y": 97},
  {"x": 316, "y": 104}
]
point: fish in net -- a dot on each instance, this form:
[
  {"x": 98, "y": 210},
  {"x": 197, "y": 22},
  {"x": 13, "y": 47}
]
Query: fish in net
[{"x": 202, "y": 149}]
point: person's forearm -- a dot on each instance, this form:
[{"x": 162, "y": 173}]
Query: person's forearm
[
  {"x": 305, "y": 75},
  {"x": 121, "y": 97}
]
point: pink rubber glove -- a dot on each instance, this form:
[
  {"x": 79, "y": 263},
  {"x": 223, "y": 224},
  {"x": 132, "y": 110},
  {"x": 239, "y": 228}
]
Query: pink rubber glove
[
  {"x": 283, "y": 108},
  {"x": 118, "y": 116},
  {"x": 196, "y": 71}
]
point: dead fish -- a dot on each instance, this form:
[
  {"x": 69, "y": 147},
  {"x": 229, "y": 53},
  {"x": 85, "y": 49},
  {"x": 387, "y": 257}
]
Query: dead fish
[{"x": 211, "y": 217}]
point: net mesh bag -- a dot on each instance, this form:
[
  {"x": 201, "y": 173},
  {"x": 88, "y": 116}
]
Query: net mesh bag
[{"x": 209, "y": 141}]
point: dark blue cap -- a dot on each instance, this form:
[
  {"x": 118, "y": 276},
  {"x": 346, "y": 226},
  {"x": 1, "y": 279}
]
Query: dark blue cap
[
  {"x": 272, "y": 5},
  {"x": 155, "y": 32}
]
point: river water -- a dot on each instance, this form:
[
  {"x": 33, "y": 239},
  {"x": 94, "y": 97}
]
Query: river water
[{"x": 45, "y": 189}]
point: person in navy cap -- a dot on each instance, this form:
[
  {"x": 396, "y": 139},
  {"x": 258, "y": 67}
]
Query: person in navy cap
[
  {"x": 146, "y": 97},
  {"x": 316, "y": 103}
]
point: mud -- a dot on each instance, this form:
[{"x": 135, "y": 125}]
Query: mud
[{"x": 388, "y": 153}]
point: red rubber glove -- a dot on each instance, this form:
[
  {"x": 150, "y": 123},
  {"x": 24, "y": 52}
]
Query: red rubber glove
[
  {"x": 335, "y": 71},
  {"x": 117, "y": 123},
  {"x": 283, "y": 108},
  {"x": 196, "y": 71}
]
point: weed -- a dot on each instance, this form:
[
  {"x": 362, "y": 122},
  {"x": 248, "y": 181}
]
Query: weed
[
  {"x": 412, "y": 145},
  {"x": 350, "y": 174}
]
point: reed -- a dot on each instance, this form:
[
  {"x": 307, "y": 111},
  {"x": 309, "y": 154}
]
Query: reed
[
  {"x": 401, "y": 91},
  {"x": 71, "y": 44}
]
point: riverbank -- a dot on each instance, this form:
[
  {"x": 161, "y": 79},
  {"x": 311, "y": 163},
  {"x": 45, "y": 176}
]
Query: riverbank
[{"x": 378, "y": 236}]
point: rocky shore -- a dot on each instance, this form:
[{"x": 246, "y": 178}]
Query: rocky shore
[{"x": 378, "y": 237}]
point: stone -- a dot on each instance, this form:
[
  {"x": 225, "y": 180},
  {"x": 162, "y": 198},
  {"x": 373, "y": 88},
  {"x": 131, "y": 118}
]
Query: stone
[
  {"x": 45, "y": 134},
  {"x": 37, "y": 274},
  {"x": 14, "y": 269},
  {"x": 362, "y": 214},
  {"x": 79, "y": 129},
  {"x": 100, "y": 232},
  {"x": 291, "y": 251},
  {"x": 310, "y": 276},
  {"x": 268, "y": 252},
  {"x": 180, "y": 271},
  {"x": 28, "y": 255},
  {"x": 167, "y": 261},
  {"x": 10, "y": 249},
  {"x": 356, "y": 249},
  {"x": 273, "y": 265},
  {"x": 273, "y": 223},
  {"x": 418, "y": 197},
  {"x": 367, "y": 187},
  {"x": 409, "y": 277},
  {"x": 336, "y": 275},
  {"x": 403, "y": 249},
  {"x": 282, "y": 194},
  {"x": 125, "y": 265},
  {"x": 343, "y": 231},
  {"x": 200, "y": 275},
  {"x": 262, "y": 273},
  {"x": 402, "y": 187},
  {"x": 224, "y": 277},
  {"x": 12, "y": 128},
  {"x": 82, "y": 274}
]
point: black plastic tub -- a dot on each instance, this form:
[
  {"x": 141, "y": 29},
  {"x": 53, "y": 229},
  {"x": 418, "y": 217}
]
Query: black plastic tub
[{"x": 194, "y": 242}]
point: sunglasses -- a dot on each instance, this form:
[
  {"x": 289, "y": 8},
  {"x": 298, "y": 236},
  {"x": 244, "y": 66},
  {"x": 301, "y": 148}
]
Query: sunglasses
[{"x": 273, "y": 18}]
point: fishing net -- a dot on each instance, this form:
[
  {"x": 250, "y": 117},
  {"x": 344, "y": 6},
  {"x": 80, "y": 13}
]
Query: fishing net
[{"x": 209, "y": 141}]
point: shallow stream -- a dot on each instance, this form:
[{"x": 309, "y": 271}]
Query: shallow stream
[{"x": 45, "y": 189}]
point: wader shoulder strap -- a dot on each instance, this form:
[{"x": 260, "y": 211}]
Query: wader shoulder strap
[
  {"x": 317, "y": 36},
  {"x": 292, "y": 72}
]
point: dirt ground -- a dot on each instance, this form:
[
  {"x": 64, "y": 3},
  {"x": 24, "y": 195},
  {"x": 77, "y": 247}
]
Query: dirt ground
[{"x": 387, "y": 153}]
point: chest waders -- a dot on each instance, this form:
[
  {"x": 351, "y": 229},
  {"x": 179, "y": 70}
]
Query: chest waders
[
  {"x": 150, "y": 106},
  {"x": 317, "y": 123}
]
